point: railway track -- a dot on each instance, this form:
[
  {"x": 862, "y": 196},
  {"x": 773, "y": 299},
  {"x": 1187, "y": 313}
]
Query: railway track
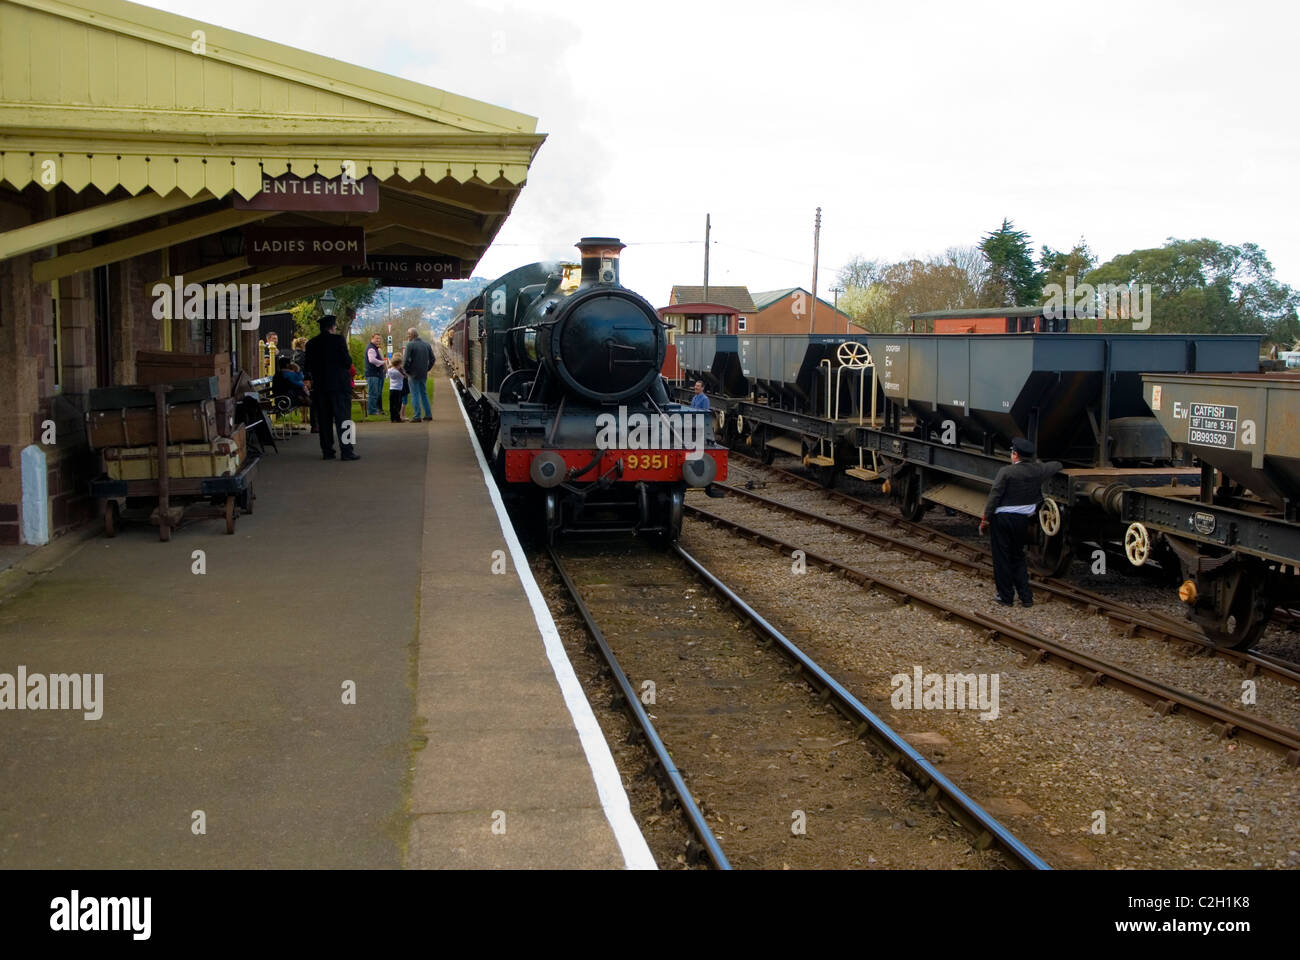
[
  {"x": 657, "y": 583},
  {"x": 949, "y": 551},
  {"x": 1165, "y": 698}
]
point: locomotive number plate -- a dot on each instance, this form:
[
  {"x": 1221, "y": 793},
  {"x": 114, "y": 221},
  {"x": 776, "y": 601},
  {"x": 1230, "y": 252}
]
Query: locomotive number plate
[{"x": 649, "y": 461}]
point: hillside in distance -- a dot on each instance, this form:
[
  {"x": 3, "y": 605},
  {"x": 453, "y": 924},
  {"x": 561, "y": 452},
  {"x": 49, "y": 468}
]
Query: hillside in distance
[{"x": 438, "y": 307}]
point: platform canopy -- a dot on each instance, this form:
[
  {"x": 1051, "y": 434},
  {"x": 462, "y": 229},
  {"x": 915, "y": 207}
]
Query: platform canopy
[{"x": 143, "y": 114}]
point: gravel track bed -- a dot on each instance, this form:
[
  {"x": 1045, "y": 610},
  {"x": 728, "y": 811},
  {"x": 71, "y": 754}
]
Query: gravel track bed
[
  {"x": 1215, "y": 678},
  {"x": 1173, "y": 795},
  {"x": 664, "y": 828},
  {"x": 752, "y": 740}
]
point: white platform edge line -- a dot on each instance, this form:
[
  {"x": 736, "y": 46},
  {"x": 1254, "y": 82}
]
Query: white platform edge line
[{"x": 609, "y": 785}]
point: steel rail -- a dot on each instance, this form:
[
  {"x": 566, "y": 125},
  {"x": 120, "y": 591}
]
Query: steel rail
[
  {"x": 694, "y": 817},
  {"x": 986, "y": 829},
  {"x": 1148, "y": 623},
  {"x": 1166, "y": 699}
]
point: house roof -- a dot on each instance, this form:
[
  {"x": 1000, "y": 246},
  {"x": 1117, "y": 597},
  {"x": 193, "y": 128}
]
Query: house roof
[
  {"x": 766, "y": 298},
  {"x": 974, "y": 312},
  {"x": 737, "y": 297},
  {"x": 177, "y": 115},
  {"x": 697, "y": 308}
]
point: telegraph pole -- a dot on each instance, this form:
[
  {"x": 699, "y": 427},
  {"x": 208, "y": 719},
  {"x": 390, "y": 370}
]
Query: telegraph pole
[
  {"x": 707, "y": 228},
  {"x": 817, "y": 239}
]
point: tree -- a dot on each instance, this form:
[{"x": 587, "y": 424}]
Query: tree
[
  {"x": 348, "y": 298},
  {"x": 871, "y": 308},
  {"x": 860, "y": 272},
  {"x": 1204, "y": 286},
  {"x": 1056, "y": 265},
  {"x": 1012, "y": 276}
]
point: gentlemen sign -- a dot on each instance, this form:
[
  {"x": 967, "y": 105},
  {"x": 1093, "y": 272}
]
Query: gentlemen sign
[
  {"x": 405, "y": 270},
  {"x": 338, "y": 194},
  {"x": 304, "y": 246}
]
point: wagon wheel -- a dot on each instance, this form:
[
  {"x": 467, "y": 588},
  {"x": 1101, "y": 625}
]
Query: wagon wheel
[
  {"x": 1137, "y": 544},
  {"x": 913, "y": 507},
  {"x": 1050, "y": 556},
  {"x": 112, "y": 518},
  {"x": 230, "y": 513},
  {"x": 853, "y": 354},
  {"x": 1249, "y": 611}
]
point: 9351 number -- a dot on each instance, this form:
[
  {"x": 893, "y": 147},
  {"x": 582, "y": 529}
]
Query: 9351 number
[{"x": 648, "y": 461}]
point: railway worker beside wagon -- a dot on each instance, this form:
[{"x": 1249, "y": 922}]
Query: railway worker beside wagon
[
  {"x": 701, "y": 399},
  {"x": 1013, "y": 501}
]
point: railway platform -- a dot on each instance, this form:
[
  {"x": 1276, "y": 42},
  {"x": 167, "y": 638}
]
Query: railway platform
[{"x": 343, "y": 683}]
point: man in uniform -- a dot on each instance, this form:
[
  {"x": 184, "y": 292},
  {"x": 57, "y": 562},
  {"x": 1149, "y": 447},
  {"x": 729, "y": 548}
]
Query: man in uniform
[
  {"x": 330, "y": 367},
  {"x": 1013, "y": 501}
]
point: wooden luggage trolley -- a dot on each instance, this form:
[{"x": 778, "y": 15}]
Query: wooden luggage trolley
[{"x": 227, "y": 494}]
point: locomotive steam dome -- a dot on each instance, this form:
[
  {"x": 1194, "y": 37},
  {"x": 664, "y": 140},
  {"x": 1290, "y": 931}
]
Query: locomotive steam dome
[{"x": 604, "y": 341}]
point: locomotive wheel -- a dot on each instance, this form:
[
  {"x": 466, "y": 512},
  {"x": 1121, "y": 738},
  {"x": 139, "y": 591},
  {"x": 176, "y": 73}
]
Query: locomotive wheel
[{"x": 551, "y": 518}]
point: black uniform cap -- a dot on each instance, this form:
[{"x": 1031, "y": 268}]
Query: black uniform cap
[{"x": 1022, "y": 447}]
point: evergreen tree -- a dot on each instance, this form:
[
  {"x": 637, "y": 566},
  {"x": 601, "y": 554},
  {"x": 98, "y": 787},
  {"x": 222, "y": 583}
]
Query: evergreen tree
[{"x": 1014, "y": 280}]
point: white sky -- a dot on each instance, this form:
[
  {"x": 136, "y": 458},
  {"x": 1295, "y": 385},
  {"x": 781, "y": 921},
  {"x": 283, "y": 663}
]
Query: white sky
[{"x": 914, "y": 126}]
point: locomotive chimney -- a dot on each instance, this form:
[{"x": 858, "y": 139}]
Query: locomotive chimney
[{"x": 599, "y": 259}]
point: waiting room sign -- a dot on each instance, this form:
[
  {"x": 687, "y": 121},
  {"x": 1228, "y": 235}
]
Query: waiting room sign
[{"x": 408, "y": 270}]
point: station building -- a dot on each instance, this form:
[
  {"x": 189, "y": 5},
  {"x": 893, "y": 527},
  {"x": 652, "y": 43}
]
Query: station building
[{"x": 137, "y": 149}]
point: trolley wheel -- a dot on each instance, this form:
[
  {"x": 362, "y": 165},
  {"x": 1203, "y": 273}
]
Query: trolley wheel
[
  {"x": 230, "y": 513},
  {"x": 247, "y": 497},
  {"x": 112, "y": 518},
  {"x": 164, "y": 531}
]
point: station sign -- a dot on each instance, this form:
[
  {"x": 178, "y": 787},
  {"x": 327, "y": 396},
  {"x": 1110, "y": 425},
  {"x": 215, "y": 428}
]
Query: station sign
[
  {"x": 304, "y": 246},
  {"x": 407, "y": 270},
  {"x": 329, "y": 194}
]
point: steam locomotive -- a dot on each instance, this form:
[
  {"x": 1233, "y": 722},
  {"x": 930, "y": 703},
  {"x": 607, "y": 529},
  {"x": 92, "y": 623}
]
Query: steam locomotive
[{"x": 559, "y": 371}]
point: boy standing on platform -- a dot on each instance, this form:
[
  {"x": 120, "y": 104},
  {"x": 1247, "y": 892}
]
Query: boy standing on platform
[{"x": 396, "y": 380}]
